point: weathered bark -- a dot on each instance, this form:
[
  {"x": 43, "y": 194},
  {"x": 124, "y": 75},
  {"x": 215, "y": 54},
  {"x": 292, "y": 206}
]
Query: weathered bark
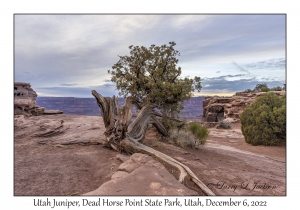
[{"x": 122, "y": 136}]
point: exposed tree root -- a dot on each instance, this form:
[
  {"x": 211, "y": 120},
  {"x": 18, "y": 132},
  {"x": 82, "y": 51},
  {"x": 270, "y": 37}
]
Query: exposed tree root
[{"x": 184, "y": 170}]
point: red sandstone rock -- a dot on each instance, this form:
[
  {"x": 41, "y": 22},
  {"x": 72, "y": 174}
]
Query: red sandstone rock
[
  {"x": 217, "y": 109},
  {"x": 144, "y": 177},
  {"x": 25, "y": 101}
]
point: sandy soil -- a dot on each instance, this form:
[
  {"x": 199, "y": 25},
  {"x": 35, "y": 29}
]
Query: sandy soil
[
  {"x": 230, "y": 166},
  {"x": 71, "y": 160}
]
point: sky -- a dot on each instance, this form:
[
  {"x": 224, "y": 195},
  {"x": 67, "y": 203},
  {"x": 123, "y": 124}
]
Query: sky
[{"x": 69, "y": 55}]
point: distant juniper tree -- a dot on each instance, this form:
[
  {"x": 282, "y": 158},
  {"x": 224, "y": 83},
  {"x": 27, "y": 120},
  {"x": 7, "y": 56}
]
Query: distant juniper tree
[
  {"x": 278, "y": 88},
  {"x": 261, "y": 88}
]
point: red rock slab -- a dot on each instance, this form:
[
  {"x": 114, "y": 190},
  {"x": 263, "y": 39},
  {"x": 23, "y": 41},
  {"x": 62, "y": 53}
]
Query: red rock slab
[{"x": 149, "y": 178}]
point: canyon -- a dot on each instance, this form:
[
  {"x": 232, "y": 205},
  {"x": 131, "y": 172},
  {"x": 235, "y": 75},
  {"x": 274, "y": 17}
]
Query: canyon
[{"x": 88, "y": 106}]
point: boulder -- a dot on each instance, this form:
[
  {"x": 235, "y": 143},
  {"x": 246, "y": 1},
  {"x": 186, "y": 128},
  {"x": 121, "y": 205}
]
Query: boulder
[{"x": 25, "y": 100}]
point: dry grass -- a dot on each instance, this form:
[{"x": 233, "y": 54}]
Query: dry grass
[
  {"x": 182, "y": 138},
  {"x": 155, "y": 143},
  {"x": 224, "y": 124}
]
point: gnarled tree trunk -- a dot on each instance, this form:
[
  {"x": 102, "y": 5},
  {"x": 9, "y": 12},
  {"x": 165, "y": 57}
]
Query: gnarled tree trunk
[{"x": 120, "y": 135}]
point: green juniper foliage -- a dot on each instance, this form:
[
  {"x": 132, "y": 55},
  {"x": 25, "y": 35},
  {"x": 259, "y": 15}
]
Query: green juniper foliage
[
  {"x": 151, "y": 74},
  {"x": 264, "y": 121}
]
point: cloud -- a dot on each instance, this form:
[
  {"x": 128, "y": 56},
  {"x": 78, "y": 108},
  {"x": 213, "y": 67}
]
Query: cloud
[
  {"x": 80, "y": 92},
  {"x": 275, "y": 63},
  {"x": 242, "y": 69},
  {"x": 30, "y": 75},
  {"x": 79, "y": 49},
  {"x": 68, "y": 84},
  {"x": 236, "y": 37},
  {"x": 218, "y": 84}
]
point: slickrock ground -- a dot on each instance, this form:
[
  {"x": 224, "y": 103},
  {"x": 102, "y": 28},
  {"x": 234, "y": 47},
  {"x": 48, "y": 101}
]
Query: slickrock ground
[
  {"x": 141, "y": 175},
  {"x": 63, "y": 155}
]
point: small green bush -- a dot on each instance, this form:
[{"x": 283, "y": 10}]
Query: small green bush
[
  {"x": 191, "y": 135},
  {"x": 264, "y": 121},
  {"x": 224, "y": 124},
  {"x": 200, "y": 131}
]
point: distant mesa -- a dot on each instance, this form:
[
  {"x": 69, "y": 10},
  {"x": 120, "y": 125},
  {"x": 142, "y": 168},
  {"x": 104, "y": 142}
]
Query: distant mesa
[{"x": 25, "y": 101}]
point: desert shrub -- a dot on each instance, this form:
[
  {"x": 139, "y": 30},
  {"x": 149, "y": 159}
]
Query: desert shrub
[
  {"x": 224, "y": 124},
  {"x": 182, "y": 138},
  {"x": 264, "y": 121},
  {"x": 278, "y": 88},
  {"x": 264, "y": 89},
  {"x": 200, "y": 131},
  {"x": 247, "y": 91},
  {"x": 192, "y": 135}
]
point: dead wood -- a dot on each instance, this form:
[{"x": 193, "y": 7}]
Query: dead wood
[{"x": 122, "y": 135}]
